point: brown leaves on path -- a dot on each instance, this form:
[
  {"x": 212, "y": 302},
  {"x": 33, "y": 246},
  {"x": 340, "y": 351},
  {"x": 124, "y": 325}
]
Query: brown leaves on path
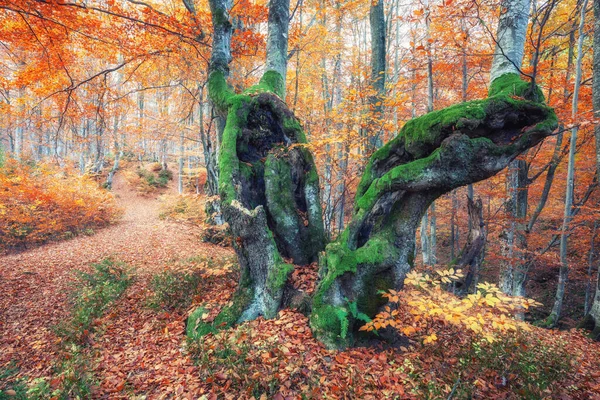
[{"x": 34, "y": 286}]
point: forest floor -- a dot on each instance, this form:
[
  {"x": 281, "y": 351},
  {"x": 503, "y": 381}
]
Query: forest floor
[
  {"x": 137, "y": 345},
  {"x": 137, "y": 352}
]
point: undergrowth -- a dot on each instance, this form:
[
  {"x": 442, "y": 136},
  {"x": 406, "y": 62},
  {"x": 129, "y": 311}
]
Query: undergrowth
[
  {"x": 178, "y": 288},
  {"x": 148, "y": 181},
  {"x": 173, "y": 290},
  {"x": 182, "y": 208},
  {"x": 520, "y": 364},
  {"x": 39, "y": 203},
  {"x": 231, "y": 352},
  {"x": 93, "y": 293}
]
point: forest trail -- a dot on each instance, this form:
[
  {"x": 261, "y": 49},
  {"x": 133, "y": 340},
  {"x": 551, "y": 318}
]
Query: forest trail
[{"x": 133, "y": 343}]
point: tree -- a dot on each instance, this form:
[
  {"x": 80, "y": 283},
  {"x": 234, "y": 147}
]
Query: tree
[
  {"x": 568, "y": 215},
  {"x": 270, "y": 191},
  {"x": 592, "y": 319}
]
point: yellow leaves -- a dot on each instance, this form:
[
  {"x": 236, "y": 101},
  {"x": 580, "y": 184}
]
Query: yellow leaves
[
  {"x": 408, "y": 330},
  {"x": 430, "y": 339},
  {"x": 491, "y": 300},
  {"x": 426, "y": 306}
]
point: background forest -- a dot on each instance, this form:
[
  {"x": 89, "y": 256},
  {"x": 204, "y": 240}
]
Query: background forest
[{"x": 109, "y": 138}]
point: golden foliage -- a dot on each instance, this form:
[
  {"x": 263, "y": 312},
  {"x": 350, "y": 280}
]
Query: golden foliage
[
  {"x": 40, "y": 203},
  {"x": 426, "y": 304}
]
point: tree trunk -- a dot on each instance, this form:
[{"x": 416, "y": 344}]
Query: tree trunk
[
  {"x": 377, "y": 21},
  {"x": 471, "y": 255},
  {"x": 270, "y": 193},
  {"x": 510, "y": 39},
  {"x": 431, "y": 156},
  {"x": 593, "y": 317},
  {"x": 513, "y": 270},
  {"x": 269, "y": 185},
  {"x": 554, "y": 316},
  {"x": 277, "y": 39}
]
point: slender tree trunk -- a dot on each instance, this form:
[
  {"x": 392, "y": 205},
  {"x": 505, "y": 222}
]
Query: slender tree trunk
[
  {"x": 471, "y": 255},
  {"x": 554, "y": 316},
  {"x": 377, "y": 21},
  {"x": 180, "y": 162},
  {"x": 277, "y": 38},
  {"x": 425, "y": 249},
  {"x": 513, "y": 270},
  {"x": 118, "y": 153},
  {"x": 510, "y": 39},
  {"x": 591, "y": 259},
  {"x": 593, "y": 317}
]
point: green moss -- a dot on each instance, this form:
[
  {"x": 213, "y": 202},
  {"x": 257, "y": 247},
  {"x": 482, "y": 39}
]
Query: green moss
[
  {"x": 293, "y": 129},
  {"x": 279, "y": 191},
  {"x": 513, "y": 85},
  {"x": 402, "y": 173},
  {"x": 228, "y": 160},
  {"x": 229, "y": 315},
  {"x": 371, "y": 301},
  {"x": 278, "y": 276},
  {"x": 331, "y": 321},
  {"x": 271, "y": 82},
  {"x": 274, "y": 82},
  {"x": 427, "y": 130},
  {"x": 339, "y": 260},
  {"x": 218, "y": 90}
]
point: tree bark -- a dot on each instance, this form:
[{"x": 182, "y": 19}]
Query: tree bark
[
  {"x": 510, "y": 39},
  {"x": 554, "y": 316},
  {"x": 513, "y": 270},
  {"x": 471, "y": 255},
  {"x": 268, "y": 184},
  {"x": 277, "y": 39},
  {"x": 593, "y": 316},
  {"x": 431, "y": 156},
  {"x": 270, "y": 194},
  {"x": 377, "y": 21}
]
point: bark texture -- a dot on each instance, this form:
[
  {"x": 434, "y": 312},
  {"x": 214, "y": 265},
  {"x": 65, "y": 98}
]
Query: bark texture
[
  {"x": 430, "y": 156},
  {"x": 378, "y": 56},
  {"x": 269, "y": 189},
  {"x": 277, "y": 39},
  {"x": 593, "y": 316},
  {"x": 471, "y": 256},
  {"x": 510, "y": 39}
]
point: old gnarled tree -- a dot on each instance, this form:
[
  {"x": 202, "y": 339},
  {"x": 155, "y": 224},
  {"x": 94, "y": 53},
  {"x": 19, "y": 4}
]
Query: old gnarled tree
[{"x": 270, "y": 189}]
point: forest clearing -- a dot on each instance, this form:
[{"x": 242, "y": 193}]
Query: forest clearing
[{"x": 299, "y": 199}]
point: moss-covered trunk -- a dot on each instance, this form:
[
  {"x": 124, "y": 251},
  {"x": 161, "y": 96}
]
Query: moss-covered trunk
[
  {"x": 430, "y": 156},
  {"x": 269, "y": 189}
]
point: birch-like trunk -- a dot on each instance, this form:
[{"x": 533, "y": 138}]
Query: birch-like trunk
[
  {"x": 593, "y": 316},
  {"x": 554, "y": 316},
  {"x": 510, "y": 38}
]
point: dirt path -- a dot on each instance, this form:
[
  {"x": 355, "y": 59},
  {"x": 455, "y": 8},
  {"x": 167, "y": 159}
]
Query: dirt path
[{"x": 135, "y": 342}]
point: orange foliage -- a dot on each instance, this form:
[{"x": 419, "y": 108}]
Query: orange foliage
[{"x": 41, "y": 203}]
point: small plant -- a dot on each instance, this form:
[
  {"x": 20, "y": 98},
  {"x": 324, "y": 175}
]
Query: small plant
[
  {"x": 184, "y": 208},
  {"x": 92, "y": 294},
  {"x": 146, "y": 181},
  {"x": 174, "y": 290},
  {"x": 11, "y": 387},
  {"x": 424, "y": 305},
  {"x": 521, "y": 364},
  {"x": 224, "y": 357}
]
